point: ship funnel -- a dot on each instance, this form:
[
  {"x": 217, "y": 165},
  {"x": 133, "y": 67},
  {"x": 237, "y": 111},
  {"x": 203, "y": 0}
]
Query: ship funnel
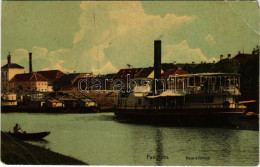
[{"x": 157, "y": 61}]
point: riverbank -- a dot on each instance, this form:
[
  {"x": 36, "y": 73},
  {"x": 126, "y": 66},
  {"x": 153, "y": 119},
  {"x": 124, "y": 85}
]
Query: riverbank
[
  {"x": 26, "y": 109},
  {"x": 22, "y": 153}
]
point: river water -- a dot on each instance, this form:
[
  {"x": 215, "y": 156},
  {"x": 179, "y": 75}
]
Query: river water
[{"x": 99, "y": 139}]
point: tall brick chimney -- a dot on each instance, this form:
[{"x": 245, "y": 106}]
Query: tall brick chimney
[
  {"x": 30, "y": 62},
  {"x": 157, "y": 61},
  {"x": 9, "y": 59}
]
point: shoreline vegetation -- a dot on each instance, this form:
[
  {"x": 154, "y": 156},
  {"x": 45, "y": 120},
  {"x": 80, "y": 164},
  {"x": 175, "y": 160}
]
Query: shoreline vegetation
[{"x": 18, "y": 152}]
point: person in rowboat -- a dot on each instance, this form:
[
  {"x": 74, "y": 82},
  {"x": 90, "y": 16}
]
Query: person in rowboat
[{"x": 17, "y": 128}]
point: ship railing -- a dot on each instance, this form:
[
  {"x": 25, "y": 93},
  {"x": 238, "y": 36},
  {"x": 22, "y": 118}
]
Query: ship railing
[
  {"x": 185, "y": 106},
  {"x": 194, "y": 106},
  {"x": 225, "y": 89}
]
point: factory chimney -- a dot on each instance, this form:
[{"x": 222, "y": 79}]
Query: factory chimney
[
  {"x": 9, "y": 59},
  {"x": 157, "y": 61},
  {"x": 30, "y": 62}
]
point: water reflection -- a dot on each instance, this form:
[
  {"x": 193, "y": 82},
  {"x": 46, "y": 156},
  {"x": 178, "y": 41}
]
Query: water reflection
[
  {"x": 99, "y": 140},
  {"x": 42, "y": 143},
  {"x": 159, "y": 148},
  {"x": 208, "y": 144}
]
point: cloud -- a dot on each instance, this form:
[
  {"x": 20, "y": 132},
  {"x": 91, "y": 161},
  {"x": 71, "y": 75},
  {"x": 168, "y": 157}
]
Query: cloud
[
  {"x": 210, "y": 39},
  {"x": 39, "y": 52},
  {"x": 111, "y": 35},
  {"x": 182, "y": 53},
  {"x": 22, "y": 54},
  {"x": 19, "y": 54},
  {"x": 104, "y": 69},
  {"x": 58, "y": 66},
  {"x": 119, "y": 33},
  {"x": 42, "y": 59}
]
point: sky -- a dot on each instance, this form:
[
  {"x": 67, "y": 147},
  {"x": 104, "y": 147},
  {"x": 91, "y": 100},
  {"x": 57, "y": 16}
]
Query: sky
[{"x": 102, "y": 37}]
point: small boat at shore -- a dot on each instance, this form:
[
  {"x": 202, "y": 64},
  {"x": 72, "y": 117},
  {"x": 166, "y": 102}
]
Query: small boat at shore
[{"x": 28, "y": 136}]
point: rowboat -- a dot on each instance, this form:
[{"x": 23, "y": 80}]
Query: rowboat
[{"x": 29, "y": 136}]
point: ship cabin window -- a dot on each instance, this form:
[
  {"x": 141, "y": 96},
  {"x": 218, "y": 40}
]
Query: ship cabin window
[
  {"x": 191, "y": 82},
  {"x": 234, "y": 81},
  {"x": 139, "y": 101},
  {"x": 209, "y": 99},
  {"x": 151, "y": 101},
  {"x": 200, "y": 99},
  {"x": 122, "y": 102}
]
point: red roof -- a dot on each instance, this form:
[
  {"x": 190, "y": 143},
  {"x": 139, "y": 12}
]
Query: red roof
[
  {"x": 28, "y": 77},
  {"x": 51, "y": 74},
  {"x": 53, "y": 100},
  {"x": 12, "y": 65},
  {"x": 122, "y": 73},
  {"x": 169, "y": 72},
  {"x": 243, "y": 57}
]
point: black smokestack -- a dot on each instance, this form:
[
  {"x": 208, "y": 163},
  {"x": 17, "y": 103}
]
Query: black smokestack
[
  {"x": 30, "y": 62},
  {"x": 9, "y": 59},
  {"x": 157, "y": 61}
]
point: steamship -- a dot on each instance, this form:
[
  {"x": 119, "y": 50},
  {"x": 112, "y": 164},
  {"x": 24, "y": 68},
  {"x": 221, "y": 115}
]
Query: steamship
[{"x": 188, "y": 99}]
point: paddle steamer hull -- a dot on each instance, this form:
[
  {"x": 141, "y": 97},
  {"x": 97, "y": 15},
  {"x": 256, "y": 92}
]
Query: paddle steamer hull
[{"x": 183, "y": 117}]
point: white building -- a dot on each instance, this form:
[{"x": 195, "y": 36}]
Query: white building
[
  {"x": 8, "y": 71},
  {"x": 87, "y": 103},
  {"x": 9, "y": 99},
  {"x": 29, "y": 82},
  {"x": 53, "y": 103}
]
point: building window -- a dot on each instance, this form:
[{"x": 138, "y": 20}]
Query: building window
[{"x": 139, "y": 101}]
